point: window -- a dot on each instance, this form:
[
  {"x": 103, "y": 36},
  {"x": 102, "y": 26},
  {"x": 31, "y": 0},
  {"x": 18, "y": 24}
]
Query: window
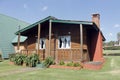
[
  {"x": 42, "y": 43},
  {"x": 64, "y": 42}
]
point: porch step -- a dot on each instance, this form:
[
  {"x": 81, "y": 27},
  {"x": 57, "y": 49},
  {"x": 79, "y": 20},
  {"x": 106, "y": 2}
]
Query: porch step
[{"x": 96, "y": 65}]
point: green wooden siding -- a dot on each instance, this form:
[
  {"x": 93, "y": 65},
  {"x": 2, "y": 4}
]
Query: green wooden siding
[{"x": 8, "y": 26}]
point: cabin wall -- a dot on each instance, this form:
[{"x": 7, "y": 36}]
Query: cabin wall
[
  {"x": 95, "y": 45},
  {"x": 21, "y": 47},
  {"x": 32, "y": 37},
  {"x": 58, "y": 31},
  {"x": 61, "y": 30},
  {"x": 31, "y": 42},
  {"x": 68, "y": 30},
  {"x": 74, "y": 52}
]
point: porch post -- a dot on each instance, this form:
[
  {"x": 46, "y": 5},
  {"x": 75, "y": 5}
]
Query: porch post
[
  {"x": 81, "y": 41},
  {"x": 38, "y": 40},
  {"x": 18, "y": 44},
  {"x": 50, "y": 26}
]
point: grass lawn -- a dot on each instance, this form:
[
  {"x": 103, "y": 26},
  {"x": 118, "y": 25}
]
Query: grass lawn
[
  {"x": 111, "y": 51},
  {"x": 110, "y": 71}
]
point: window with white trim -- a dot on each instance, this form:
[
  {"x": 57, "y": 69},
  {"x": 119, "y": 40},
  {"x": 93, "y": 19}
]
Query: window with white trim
[
  {"x": 64, "y": 42},
  {"x": 42, "y": 43}
]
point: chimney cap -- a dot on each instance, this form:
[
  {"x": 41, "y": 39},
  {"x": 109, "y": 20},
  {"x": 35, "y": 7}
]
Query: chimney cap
[
  {"x": 96, "y": 15},
  {"x": 96, "y": 19}
]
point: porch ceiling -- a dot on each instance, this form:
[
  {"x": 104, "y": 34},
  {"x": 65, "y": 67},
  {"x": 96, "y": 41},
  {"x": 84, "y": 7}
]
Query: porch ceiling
[{"x": 54, "y": 20}]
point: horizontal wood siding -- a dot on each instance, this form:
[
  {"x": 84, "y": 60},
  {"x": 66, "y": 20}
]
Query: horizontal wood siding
[
  {"x": 72, "y": 54},
  {"x": 31, "y": 42}
]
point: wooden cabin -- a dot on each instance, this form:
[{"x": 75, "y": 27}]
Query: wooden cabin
[{"x": 66, "y": 40}]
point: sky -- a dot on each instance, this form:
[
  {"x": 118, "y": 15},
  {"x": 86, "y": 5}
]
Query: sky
[{"x": 34, "y": 10}]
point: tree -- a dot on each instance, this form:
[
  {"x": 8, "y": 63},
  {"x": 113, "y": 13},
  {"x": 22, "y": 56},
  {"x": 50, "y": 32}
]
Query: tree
[
  {"x": 111, "y": 43},
  {"x": 118, "y": 37}
]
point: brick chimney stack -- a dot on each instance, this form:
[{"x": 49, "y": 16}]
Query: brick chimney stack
[
  {"x": 97, "y": 43},
  {"x": 96, "y": 19}
]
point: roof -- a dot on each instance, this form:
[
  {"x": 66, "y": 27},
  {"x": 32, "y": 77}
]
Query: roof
[
  {"x": 22, "y": 39},
  {"x": 53, "y": 19},
  {"x": 8, "y": 26}
]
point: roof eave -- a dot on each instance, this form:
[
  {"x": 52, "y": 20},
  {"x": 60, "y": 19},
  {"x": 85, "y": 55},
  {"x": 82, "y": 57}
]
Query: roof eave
[
  {"x": 34, "y": 24},
  {"x": 103, "y": 36},
  {"x": 72, "y": 22}
]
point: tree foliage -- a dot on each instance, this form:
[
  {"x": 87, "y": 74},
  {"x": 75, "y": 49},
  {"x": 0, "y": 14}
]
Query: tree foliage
[
  {"x": 118, "y": 36},
  {"x": 110, "y": 43}
]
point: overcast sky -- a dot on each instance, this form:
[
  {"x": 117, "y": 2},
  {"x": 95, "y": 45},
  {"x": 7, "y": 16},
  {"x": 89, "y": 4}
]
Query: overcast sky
[{"x": 34, "y": 10}]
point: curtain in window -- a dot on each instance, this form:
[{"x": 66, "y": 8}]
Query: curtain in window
[
  {"x": 63, "y": 39},
  {"x": 64, "y": 42},
  {"x": 42, "y": 43},
  {"x": 67, "y": 40}
]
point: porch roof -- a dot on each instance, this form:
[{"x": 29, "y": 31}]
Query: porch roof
[
  {"x": 55, "y": 20},
  {"x": 22, "y": 39}
]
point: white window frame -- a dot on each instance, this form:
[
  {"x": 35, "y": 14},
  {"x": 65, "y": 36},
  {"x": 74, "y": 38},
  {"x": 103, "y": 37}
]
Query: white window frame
[
  {"x": 66, "y": 42},
  {"x": 44, "y": 45}
]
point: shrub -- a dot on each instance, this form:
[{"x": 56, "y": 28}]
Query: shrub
[
  {"x": 32, "y": 60},
  {"x": 27, "y": 61},
  {"x": 19, "y": 59},
  {"x": 11, "y": 57},
  {"x": 70, "y": 64},
  {"x": 0, "y": 57},
  {"x": 76, "y": 64},
  {"x": 48, "y": 61},
  {"x": 61, "y": 63},
  {"x": 73, "y": 64}
]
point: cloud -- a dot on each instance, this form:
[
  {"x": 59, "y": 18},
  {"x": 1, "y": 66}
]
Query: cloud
[
  {"x": 25, "y": 6},
  {"x": 117, "y": 25},
  {"x": 110, "y": 34},
  {"x": 101, "y": 28},
  {"x": 44, "y": 8}
]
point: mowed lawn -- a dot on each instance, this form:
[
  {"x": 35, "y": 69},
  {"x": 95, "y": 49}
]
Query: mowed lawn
[
  {"x": 111, "y": 51},
  {"x": 110, "y": 71}
]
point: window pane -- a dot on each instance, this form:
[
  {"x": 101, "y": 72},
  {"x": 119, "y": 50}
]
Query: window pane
[
  {"x": 42, "y": 43},
  {"x": 64, "y": 42}
]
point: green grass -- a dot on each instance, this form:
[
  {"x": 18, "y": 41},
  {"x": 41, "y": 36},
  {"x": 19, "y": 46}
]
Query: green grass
[
  {"x": 111, "y": 51},
  {"x": 5, "y": 66},
  {"x": 110, "y": 71}
]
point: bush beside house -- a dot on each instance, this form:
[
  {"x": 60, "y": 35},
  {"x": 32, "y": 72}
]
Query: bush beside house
[
  {"x": 0, "y": 57},
  {"x": 20, "y": 59},
  {"x": 32, "y": 60}
]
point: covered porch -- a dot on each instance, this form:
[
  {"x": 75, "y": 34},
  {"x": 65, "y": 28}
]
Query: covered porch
[{"x": 63, "y": 40}]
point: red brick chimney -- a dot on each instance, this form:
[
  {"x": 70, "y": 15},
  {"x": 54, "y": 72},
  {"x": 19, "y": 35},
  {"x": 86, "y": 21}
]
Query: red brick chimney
[
  {"x": 97, "y": 43},
  {"x": 96, "y": 19}
]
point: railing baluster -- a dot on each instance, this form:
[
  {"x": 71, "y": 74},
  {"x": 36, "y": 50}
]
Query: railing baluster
[
  {"x": 62, "y": 54},
  {"x": 69, "y": 54}
]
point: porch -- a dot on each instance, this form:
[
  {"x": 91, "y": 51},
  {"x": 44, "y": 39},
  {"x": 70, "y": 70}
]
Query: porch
[{"x": 60, "y": 54}]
